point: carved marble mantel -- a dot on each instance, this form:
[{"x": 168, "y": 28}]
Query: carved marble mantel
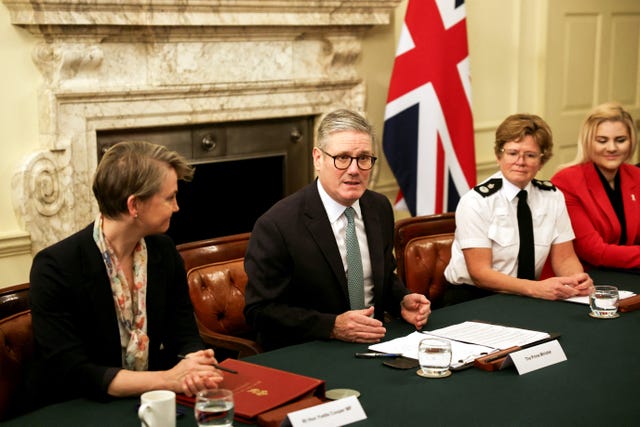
[{"x": 138, "y": 63}]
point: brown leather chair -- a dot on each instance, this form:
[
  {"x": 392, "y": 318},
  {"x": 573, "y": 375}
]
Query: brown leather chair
[
  {"x": 16, "y": 349},
  {"x": 16, "y": 346},
  {"x": 215, "y": 272},
  {"x": 206, "y": 251},
  {"x": 423, "y": 249},
  {"x": 217, "y": 294},
  {"x": 14, "y": 299}
]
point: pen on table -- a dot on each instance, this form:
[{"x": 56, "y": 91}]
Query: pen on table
[
  {"x": 215, "y": 365},
  {"x": 374, "y": 355}
]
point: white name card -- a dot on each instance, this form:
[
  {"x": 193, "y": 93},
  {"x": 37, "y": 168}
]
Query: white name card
[
  {"x": 537, "y": 357},
  {"x": 332, "y": 414}
]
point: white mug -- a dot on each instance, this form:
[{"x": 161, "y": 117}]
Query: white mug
[{"x": 158, "y": 409}]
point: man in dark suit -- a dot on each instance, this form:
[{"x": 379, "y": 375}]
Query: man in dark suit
[{"x": 301, "y": 286}]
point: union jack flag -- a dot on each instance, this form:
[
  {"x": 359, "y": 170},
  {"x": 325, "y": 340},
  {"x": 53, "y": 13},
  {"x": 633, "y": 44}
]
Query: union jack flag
[{"x": 428, "y": 129}]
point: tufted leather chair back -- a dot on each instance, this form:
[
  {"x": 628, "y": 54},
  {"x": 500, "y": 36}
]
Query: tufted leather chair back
[
  {"x": 425, "y": 260},
  {"x": 206, "y": 251},
  {"x": 14, "y": 299},
  {"x": 217, "y": 295},
  {"x": 422, "y": 246},
  {"x": 16, "y": 349}
]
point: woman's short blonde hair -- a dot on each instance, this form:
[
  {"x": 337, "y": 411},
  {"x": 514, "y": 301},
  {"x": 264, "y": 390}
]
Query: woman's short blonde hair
[{"x": 134, "y": 168}]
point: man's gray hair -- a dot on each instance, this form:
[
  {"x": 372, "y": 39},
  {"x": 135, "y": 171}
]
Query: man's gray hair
[{"x": 342, "y": 121}]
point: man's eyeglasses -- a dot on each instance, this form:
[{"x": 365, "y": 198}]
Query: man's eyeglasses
[
  {"x": 514, "y": 155},
  {"x": 342, "y": 161}
]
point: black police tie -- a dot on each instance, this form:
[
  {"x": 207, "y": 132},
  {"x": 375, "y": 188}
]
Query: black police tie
[{"x": 526, "y": 260}]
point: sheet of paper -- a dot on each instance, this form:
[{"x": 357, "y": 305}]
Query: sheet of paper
[
  {"x": 585, "y": 299},
  {"x": 461, "y": 353},
  {"x": 495, "y": 336},
  {"x": 469, "y": 340}
]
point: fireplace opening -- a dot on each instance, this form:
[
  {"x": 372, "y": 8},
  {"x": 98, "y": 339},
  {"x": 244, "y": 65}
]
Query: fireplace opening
[
  {"x": 241, "y": 170},
  {"x": 226, "y": 197}
]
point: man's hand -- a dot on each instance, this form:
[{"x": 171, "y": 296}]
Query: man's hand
[
  {"x": 358, "y": 326},
  {"x": 415, "y": 309}
]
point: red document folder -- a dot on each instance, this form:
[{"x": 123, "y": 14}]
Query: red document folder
[{"x": 257, "y": 389}]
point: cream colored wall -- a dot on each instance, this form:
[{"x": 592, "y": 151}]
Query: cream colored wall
[
  {"x": 19, "y": 81},
  {"x": 594, "y": 57},
  {"x": 508, "y": 49},
  {"x": 504, "y": 79}
]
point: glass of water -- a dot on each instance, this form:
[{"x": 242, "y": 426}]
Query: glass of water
[
  {"x": 603, "y": 302},
  {"x": 434, "y": 356},
  {"x": 214, "y": 408}
]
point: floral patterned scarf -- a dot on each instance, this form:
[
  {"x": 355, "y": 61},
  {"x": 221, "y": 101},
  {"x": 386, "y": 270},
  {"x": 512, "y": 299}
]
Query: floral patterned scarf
[{"x": 131, "y": 308}]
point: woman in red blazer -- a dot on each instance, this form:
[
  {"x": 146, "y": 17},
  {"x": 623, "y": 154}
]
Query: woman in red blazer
[{"x": 602, "y": 190}]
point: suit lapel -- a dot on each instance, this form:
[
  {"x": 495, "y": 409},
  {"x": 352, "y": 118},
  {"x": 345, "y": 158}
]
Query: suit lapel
[
  {"x": 156, "y": 281},
  {"x": 318, "y": 225},
  {"x": 631, "y": 194},
  {"x": 598, "y": 193},
  {"x": 96, "y": 281},
  {"x": 97, "y": 289}
]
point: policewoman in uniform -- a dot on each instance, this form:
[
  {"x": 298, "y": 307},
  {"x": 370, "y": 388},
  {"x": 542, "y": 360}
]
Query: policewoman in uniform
[{"x": 509, "y": 225}]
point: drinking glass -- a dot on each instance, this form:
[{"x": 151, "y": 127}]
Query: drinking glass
[
  {"x": 603, "y": 301},
  {"x": 434, "y": 356},
  {"x": 214, "y": 408}
]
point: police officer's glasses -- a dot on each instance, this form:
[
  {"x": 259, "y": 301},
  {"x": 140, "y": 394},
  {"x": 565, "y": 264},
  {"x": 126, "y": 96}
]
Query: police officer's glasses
[
  {"x": 342, "y": 161},
  {"x": 512, "y": 156}
]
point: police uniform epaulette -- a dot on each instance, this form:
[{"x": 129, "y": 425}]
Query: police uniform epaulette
[
  {"x": 544, "y": 185},
  {"x": 488, "y": 188}
]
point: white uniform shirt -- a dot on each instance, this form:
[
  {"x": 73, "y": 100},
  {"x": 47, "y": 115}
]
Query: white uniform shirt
[{"x": 491, "y": 222}]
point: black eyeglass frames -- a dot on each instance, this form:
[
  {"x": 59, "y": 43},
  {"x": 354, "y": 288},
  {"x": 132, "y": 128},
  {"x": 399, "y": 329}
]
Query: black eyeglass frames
[{"x": 342, "y": 161}]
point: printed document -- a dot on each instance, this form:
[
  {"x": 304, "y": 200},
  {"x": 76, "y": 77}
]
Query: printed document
[
  {"x": 469, "y": 340},
  {"x": 495, "y": 336},
  {"x": 585, "y": 299}
]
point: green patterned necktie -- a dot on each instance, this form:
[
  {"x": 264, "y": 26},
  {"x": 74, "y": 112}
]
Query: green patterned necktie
[{"x": 355, "y": 276}]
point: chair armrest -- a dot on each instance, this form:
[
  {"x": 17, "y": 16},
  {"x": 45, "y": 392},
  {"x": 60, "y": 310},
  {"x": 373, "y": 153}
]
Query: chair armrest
[{"x": 245, "y": 347}]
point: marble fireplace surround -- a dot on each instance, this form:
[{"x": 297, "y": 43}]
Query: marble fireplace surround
[{"x": 124, "y": 64}]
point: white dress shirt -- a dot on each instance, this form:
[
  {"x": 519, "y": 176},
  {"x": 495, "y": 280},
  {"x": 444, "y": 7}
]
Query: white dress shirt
[{"x": 335, "y": 212}]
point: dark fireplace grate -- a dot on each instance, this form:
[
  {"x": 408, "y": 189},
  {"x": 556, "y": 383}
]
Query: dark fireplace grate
[{"x": 242, "y": 169}]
